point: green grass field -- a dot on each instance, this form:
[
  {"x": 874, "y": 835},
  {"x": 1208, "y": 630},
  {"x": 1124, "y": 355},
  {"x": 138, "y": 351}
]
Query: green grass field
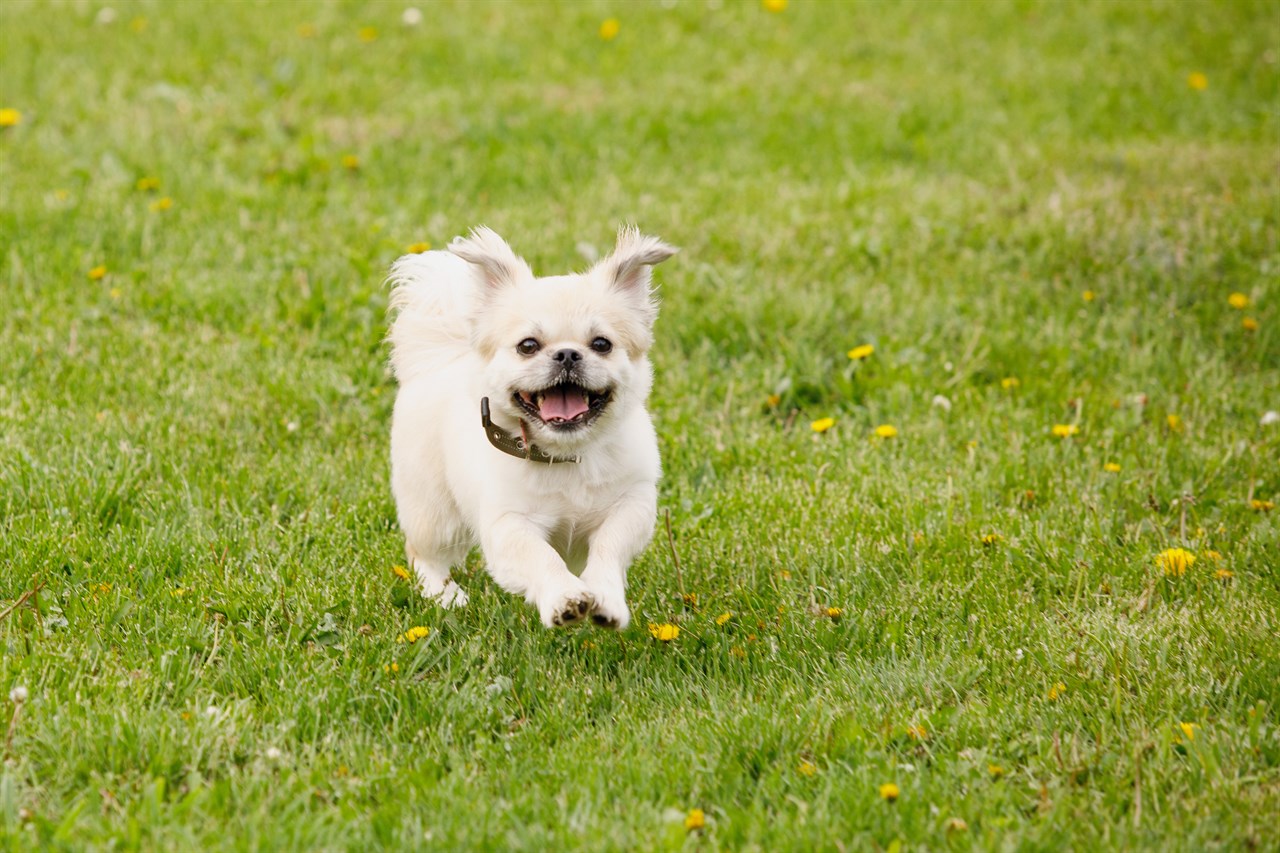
[{"x": 1037, "y": 214}]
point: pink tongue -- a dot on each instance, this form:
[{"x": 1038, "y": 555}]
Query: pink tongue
[{"x": 561, "y": 404}]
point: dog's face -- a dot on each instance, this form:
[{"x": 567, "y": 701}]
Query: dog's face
[{"x": 562, "y": 354}]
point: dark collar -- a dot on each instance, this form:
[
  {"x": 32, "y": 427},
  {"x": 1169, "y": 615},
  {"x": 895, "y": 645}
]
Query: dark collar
[{"x": 517, "y": 447}]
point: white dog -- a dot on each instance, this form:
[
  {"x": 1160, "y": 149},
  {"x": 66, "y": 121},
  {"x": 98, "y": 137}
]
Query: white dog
[{"x": 520, "y": 424}]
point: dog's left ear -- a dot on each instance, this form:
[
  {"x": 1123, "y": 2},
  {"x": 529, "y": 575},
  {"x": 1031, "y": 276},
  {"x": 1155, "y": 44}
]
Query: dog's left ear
[
  {"x": 499, "y": 265},
  {"x": 627, "y": 268}
]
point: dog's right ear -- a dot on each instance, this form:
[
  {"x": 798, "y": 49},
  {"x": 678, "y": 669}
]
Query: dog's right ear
[{"x": 499, "y": 265}]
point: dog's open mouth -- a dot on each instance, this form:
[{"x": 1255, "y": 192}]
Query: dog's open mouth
[{"x": 565, "y": 406}]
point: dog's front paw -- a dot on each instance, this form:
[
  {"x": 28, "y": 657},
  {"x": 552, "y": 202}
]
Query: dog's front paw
[
  {"x": 565, "y": 606},
  {"x": 611, "y": 612},
  {"x": 610, "y": 594},
  {"x": 435, "y": 585},
  {"x": 450, "y": 596}
]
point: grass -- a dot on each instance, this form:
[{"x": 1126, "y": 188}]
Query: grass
[{"x": 193, "y": 452}]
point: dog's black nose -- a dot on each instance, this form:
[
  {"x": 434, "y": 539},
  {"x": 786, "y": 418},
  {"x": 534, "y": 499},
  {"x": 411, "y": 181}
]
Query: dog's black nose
[{"x": 567, "y": 356}]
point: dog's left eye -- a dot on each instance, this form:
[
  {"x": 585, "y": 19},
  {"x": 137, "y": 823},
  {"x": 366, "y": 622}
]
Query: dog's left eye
[{"x": 602, "y": 345}]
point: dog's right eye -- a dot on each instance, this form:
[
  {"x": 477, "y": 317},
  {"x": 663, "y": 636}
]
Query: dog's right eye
[{"x": 528, "y": 346}]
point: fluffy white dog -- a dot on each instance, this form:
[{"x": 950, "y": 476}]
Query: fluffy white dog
[{"x": 520, "y": 423}]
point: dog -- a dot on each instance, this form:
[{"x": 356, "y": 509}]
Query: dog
[{"x": 520, "y": 423}]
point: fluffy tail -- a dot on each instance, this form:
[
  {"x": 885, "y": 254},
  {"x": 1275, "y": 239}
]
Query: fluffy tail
[{"x": 431, "y": 299}]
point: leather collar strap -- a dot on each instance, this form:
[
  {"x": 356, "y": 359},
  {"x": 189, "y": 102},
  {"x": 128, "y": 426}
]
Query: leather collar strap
[{"x": 517, "y": 447}]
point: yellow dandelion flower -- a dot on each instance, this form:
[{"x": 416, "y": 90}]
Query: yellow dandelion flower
[
  {"x": 724, "y": 617},
  {"x": 418, "y": 248},
  {"x": 307, "y": 31},
  {"x": 917, "y": 733},
  {"x": 1056, "y": 691},
  {"x": 690, "y": 598},
  {"x": 992, "y": 539},
  {"x": 1262, "y": 506},
  {"x": 98, "y": 273},
  {"x": 413, "y": 635},
  {"x": 774, "y": 6},
  {"x": 390, "y": 668},
  {"x": 1189, "y": 729},
  {"x": 9, "y": 117},
  {"x": 889, "y": 791},
  {"x": 100, "y": 589},
  {"x": 1175, "y": 561},
  {"x": 161, "y": 204},
  {"x": 367, "y": 34},
  {"x": 1010, "y": 382},
  {"x": 785, "y": 574},
  {"x": 665, "y": 632},
  {"x": 609, "y": 31},
  {"x": 694, "y": 820},
  {"x": 1089, "y": 296},
  {"x": 834, "y": 613},
  {"x": 401, "y": 572},
  {"x": 1238, "y": 301},
  {"x": 860, "y": 352},
  {"x": 1213, "y": 556},
  {"x": 1065, "y": 430},
  {"x": 1174, "y": 422},
  {"x": 995, "y": 770},
  {"x": 738, "y": 652},
  {"x": 178, "y": 593},
  {"x": 115, "y": 293},
  {"x": 1249, "y": 324},
  {"x": 1196, "y": 80},
  {"x": 806, "y": 768},
  {"x": 350, "y": 162},
  {"x": 138, "y": 25},
  {"x": 886, "y": 431},
  {"x": 773, "y": 400},
  {"x": 1111, "y": 467},
  {"x": 148, "y": 184},
  {"x": 822, "y": 424},
  {"x": 1224, "y": 574}
]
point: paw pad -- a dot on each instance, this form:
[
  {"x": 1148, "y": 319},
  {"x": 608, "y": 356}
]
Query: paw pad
[{"x": 571, "y": 612}]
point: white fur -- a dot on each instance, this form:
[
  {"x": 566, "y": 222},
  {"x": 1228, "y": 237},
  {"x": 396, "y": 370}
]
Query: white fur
[{"x": 562, "y": 535}]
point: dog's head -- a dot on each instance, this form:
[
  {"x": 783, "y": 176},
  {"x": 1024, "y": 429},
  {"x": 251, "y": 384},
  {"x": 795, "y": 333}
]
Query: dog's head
[{"x": 564, "y": 353}]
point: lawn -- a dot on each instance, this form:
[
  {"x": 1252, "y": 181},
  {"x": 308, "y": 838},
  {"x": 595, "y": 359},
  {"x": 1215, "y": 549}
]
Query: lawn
[{"x": 927, "y": 594}]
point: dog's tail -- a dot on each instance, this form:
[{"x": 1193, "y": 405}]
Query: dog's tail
[{"x": 431, "y": 297}]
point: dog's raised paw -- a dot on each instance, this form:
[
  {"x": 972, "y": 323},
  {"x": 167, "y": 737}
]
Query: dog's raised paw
[
  {"x": 570, "y": 610},
  {"x": 614, "y": 616}
]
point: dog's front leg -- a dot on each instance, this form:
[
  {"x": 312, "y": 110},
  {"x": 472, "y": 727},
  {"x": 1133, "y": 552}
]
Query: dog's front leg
[
  {"x": 613, "y": 545},
  {"x": 521, "y": 561}
]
